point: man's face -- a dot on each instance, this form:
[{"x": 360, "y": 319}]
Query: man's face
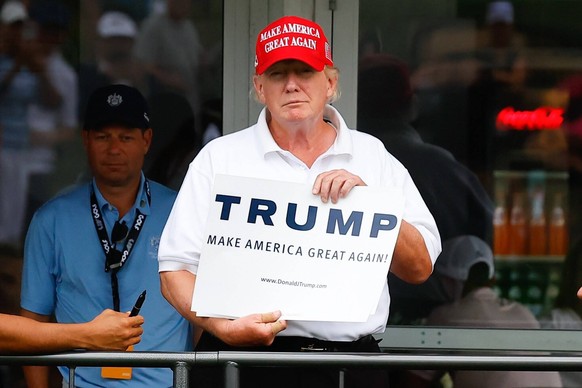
[
  {"x": 293, "y": 90},
  {"x": 116, "y": 154}
]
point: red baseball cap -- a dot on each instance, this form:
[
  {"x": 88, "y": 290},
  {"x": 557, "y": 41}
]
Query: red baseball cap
[{"x": 292, "y": 37}]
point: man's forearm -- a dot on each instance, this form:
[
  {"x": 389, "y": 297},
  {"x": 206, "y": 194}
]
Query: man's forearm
[
  {"x": 27, "y": 336},
  {"x": 411, "y": 261},
  {"x": 178, "y": 288}
]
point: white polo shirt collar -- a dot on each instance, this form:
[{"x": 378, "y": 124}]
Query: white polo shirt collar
[{"x": 341, "y": 145}]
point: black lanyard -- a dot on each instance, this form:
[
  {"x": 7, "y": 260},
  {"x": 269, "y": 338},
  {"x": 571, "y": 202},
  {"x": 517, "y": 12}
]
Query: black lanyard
[{"x": 115, "y": 259}]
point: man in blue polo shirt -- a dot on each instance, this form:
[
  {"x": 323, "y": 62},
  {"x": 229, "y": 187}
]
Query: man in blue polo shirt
[{"x": 95, "y": 246}]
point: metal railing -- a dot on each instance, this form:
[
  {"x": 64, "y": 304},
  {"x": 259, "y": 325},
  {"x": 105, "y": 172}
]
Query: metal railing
[{"x": 489, "y": 355}]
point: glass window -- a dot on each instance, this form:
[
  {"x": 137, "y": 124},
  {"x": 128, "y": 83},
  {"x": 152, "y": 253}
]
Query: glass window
[
  {"x": 53, "y": 54},
  {"x": 480, "y": 101}
]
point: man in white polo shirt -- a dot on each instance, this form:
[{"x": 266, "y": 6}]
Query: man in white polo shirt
[{"x": 299, "y": 138}]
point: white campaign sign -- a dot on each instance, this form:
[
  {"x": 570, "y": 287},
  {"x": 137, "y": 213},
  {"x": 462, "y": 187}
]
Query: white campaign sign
[{"x": 274, "y": 245}]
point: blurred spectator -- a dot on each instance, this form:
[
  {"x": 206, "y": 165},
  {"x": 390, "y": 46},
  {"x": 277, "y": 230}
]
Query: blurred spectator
[
  {"x": 92, "y": 10},
  {"x": 476, "y": 304},
  {"x": 467, "y": 269},
  {"x": 370, "y": 42},
  {"x": 51, "y": 126},
  {"x": 453, "y": 194},
  {"x": 444, "y": 70},
  {"x": 170, "y": 54},
  {"x": 502, "y": 49},
  {"x": 501, "y": 83},
  {"x": 114, "y": 63},
  {"x": 177, "y": 143},
  {"x": 23, "y": 80}
]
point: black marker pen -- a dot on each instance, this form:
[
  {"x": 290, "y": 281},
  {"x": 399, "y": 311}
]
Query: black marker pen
[{"x": 138, "y": 303}]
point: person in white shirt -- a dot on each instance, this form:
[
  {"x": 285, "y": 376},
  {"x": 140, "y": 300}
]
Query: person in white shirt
[
  {"x": 299, "y": 138},
  {"x": 467, "y": 269}
]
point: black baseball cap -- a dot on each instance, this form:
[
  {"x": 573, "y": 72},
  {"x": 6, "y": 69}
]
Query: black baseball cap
[{"x": 116, "y": 104}]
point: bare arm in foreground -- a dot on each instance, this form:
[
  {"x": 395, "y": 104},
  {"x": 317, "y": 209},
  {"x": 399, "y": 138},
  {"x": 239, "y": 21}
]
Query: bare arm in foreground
[{"x": 110, "y": 330}]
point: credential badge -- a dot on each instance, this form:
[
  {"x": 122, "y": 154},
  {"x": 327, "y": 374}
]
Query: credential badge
[{"x": 114, "y": 99}]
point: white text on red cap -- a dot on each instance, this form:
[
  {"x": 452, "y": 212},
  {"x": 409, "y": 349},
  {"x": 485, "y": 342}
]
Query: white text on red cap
[
  {"x": 294, "y": 28},
  {"x": 296, "y": 41}
]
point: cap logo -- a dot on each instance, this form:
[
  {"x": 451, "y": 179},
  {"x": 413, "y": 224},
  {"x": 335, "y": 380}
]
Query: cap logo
[
  {"x": 145, "y": 116},
  {"x": 114, "y": 99}
]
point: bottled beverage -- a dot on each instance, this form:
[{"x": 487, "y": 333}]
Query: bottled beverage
[
  {"x": 500, "y": 226},
  {"x": 558, "y": 234},
  {"x": 537, "y": 224},
  {"x": 517, "y": 226}
]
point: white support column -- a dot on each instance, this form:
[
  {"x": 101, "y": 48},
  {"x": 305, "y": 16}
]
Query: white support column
[
  {"x": 342, "y": 27},
  {"x": 237, "y": 63}
]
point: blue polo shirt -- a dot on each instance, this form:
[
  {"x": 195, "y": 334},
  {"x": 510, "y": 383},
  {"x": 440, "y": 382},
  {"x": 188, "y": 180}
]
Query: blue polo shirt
[{"x": 64, "y": 273}]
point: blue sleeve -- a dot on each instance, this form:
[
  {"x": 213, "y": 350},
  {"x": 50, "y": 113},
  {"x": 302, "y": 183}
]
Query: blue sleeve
[{"x": 38, "y": 275}]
